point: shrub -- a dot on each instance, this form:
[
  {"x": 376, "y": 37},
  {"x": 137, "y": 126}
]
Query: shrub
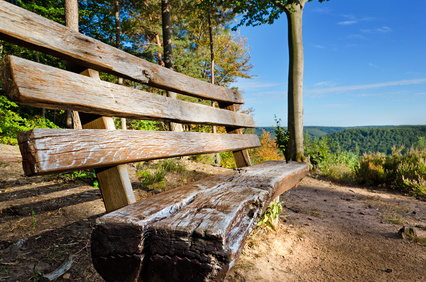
[
  {"x": 411, "y": 172},
  {"x": 371, "y": 169},
  {"x": 12, "y": 123},
  {"x": 268, "y": 150}
]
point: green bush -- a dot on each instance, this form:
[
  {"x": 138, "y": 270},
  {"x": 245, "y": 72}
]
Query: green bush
[
  {"x": 411, "y": 172},
  {"x": 340, "y": 166},
  {"x": 11, "y": 123}
]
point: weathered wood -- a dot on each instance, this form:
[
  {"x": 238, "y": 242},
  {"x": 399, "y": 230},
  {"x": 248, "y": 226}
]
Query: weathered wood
[
  {"x": 56, "y": 150},
  {"x": 38, "y": 85},
  {"x": 242, "y": 158},
  {"x": 114, "y": 182},
  {"x": 28, "y": 29},
  {"x": 191, "y": 233}
]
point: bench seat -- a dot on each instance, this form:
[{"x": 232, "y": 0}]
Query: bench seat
[{"x": 192, "y": 233}]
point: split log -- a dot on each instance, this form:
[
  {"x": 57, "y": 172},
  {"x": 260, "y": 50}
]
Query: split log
[
  {"x": 57, "y": 150},
  {"x": 38, "y": 85},
  {"x": 191, "y": 233},
  {"x": 28, "y": 29}
]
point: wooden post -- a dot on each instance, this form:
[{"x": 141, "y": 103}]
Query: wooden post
[
  {"x": 114, "y": 182},
  {"x": 242, "y": 158}
]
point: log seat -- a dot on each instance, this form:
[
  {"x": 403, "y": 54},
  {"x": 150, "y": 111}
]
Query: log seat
[{"x": 191, "y": 233}]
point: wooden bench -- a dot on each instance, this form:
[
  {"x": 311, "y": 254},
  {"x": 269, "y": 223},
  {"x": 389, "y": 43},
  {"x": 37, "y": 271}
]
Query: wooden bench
[{"x": 191, "y": 233}]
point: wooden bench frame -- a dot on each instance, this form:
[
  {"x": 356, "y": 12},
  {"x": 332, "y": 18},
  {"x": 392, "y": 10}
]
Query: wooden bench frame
[{"x": 194, "y": 232}]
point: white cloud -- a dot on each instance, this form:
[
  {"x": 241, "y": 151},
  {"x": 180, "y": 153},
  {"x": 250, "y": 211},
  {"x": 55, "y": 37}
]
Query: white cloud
[
  {"x": 383, "y": 29},
  {"x": 347, "y": 22},
  {"x": 325, "y": 84},
  {"x": 330, "y": 90}
]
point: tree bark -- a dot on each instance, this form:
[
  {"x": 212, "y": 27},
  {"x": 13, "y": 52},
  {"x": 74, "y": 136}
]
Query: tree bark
[
  {"x": 71, "y": 21},
  {"x": 217, "y": 155},
  {"x": 118, "y": 45},
  {"x": 294, "y": 12},
  {"x": 168, "y": 52}
]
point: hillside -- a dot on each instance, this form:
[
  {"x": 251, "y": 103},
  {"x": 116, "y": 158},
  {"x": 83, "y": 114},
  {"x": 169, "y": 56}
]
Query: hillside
[
  {"x": 314, "y": 131},
  {"x": 376, "y": 139}
]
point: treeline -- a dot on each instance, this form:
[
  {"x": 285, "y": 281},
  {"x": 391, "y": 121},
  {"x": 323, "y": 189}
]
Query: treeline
[
  {"x": 373, "y": 140},
  {"x": 313, "y": 131}
]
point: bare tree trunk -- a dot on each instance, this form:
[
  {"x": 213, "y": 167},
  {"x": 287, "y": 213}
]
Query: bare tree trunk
[
  {"x": 118, "y": 45},
  {"x": 71, "y": 21},
  {"x": 168, "y": 53},
  {"x": 217, "y": 155},
  {"x": 294, "y": 151}
]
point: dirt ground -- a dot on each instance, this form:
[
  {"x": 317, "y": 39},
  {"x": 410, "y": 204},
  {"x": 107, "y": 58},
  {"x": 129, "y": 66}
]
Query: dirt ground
[{"x": 327, "y": 232}]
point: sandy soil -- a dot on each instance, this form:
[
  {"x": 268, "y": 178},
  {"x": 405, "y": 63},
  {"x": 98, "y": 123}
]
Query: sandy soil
[{"x": 326, "y": 233}]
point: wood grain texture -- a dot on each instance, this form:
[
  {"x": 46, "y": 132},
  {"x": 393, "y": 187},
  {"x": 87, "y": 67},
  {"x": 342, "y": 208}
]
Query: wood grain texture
[
  {"x": 114, "y": 182},
  {"x": 55, "y": 150},
  {"x": 191, "y": 233},
  {"x": 28, "y": 29},
  {"x": 38, "y": 85}
]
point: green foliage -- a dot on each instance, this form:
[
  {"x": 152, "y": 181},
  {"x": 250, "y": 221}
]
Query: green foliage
[
  {"x": 11, "y": 123},
  {"x": 270, "y": 217},
  {"x": 33, "y": 219},
  {"x": 88, "y": 176},
  {"x": 281, "y": 136},
  {"x": 378, "y": 139},
  {"x": 317, "y": 149},
  {"x": 227, "y": 160},
  {"x": 154, "y": 175},
  {"x": 340, "y": 166}
]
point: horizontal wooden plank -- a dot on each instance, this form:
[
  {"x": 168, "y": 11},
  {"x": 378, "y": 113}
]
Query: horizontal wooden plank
[
  {"x": 28, "y": 29},
  {"x": 191, "y": 233},
  {"x": 38, "y": 85},
  {"x": 57, "y": 150}
]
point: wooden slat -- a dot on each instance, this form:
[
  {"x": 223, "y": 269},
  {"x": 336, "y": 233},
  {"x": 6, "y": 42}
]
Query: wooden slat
[
  {"x": 28, "y": 29},
  {"x": 56, "y": 150},
  {"x": 191, "y": 233},
  {"x": 38, "y": 85}
]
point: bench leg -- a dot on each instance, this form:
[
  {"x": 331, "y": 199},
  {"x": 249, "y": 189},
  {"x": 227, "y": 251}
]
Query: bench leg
[{"x": 114, "y": 182}]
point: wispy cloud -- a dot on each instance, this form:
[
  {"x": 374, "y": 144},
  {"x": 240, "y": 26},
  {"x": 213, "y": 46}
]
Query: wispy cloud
[
  {"x": 341, "y": 89},
  {"x": 383, "y": 29},
  {"x": 347, "y": 22},
  {"x": 325, "y": 84},
  {"x": 373, "y": 65}
]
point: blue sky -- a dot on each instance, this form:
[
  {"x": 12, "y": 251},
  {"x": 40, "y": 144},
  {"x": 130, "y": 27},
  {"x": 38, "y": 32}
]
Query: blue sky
[{"x": 365, "y": 64}]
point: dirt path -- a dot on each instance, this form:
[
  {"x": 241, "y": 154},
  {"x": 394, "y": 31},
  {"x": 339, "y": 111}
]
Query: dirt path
[
  {"x": 328, "y": 232},
  {"x": 333, "y": 233}
]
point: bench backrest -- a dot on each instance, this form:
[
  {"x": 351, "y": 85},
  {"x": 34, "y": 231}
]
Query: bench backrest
[{"x": 97, "y": 145}]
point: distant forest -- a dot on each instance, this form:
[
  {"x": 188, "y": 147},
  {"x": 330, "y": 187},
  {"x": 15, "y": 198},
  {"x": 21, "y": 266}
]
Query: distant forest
[{"x": 361, "y": 140}]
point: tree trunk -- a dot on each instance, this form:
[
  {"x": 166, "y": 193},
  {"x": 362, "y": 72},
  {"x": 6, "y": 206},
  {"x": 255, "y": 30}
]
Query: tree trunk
[
  {"x": 118, "y": 45},
  {"x": 71, "y": 21},
  {"x": 294, "y": 12},
  {"x": 217, "y": 155},
  {"x": 168, "y": 53}
]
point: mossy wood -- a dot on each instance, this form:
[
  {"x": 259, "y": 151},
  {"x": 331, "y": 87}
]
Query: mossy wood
[{"x": 191, "y": 233}]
